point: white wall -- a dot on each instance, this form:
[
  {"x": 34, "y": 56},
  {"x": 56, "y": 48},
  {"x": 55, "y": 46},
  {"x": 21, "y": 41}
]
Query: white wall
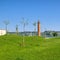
[{"x": 2, "y": 32}]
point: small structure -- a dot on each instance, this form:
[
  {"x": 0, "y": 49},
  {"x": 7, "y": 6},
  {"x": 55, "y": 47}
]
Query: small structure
[
  {"x": 39, "y": 33},
  {"x": 2, "y": 32}
]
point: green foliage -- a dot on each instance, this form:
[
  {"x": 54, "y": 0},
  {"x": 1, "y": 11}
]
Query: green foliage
[
  {"x": 54, "y": 34},
  {"x": 36, "y": 48}
]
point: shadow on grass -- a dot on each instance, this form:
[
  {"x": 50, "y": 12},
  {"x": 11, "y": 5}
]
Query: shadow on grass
[{"x": 19, "y": 58}]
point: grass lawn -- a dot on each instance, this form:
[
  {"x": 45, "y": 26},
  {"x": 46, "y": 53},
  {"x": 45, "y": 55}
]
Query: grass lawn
[{"x": 36, "y": 48}]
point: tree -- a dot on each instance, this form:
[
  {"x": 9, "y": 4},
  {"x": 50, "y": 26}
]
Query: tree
[
  {"x": 17, "y": 29},
  {"x": 24, "y": 23},
  {"x": 34, "y": 24},
  {"x": 54, "y": 34},
  {"x": 6, "y": 22}
]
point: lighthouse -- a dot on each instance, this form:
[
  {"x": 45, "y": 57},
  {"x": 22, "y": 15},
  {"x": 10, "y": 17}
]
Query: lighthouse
[{"x": 39, "y": 33}]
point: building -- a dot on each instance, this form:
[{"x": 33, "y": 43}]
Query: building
[
  {"x": 26, "y": 33},
  {"x": 2, "y": 32},
  {"x": 50, "y": 34}
]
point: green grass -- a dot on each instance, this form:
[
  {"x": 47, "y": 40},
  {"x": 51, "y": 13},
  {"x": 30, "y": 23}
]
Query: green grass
[{"x": 36, "y": 48}]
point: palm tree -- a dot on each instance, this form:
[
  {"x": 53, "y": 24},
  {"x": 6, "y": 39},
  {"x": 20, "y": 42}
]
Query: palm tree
[
  {"x": 34, "y": 24},
  {"x": 6, "y": 22},
  {"x": 24, "y": 23},
  {"x": 17, "y": 29}
]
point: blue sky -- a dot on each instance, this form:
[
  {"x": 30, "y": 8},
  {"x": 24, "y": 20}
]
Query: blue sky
[{"x": 47, "y": 11}]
